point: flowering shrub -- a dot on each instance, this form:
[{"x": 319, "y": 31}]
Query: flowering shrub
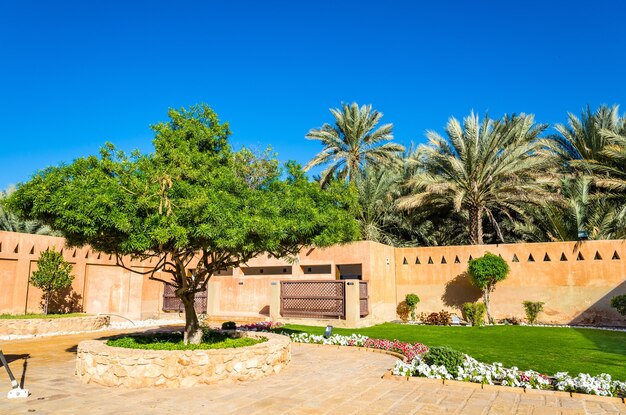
[
  {"x": 261, "y": 326},
  {"x": 495, "y": 374},
  {"x": 410, "y": 350}
]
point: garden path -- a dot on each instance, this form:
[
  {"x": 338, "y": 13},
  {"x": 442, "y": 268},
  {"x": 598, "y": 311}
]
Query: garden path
[{"x": 319, "y": 380}]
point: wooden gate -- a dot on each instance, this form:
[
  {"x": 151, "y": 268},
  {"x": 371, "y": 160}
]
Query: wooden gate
[
  {"x": 313, "y": 299},
  {"x": 172, "y": 303}
]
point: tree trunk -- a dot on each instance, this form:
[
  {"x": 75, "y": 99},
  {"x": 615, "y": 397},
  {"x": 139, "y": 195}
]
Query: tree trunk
[
  {"x": 45, "y": 303},
  {"x": 193, "y": 332},
  {"x": 486, "y": 299},
  {"x": 476, "y": 225}
]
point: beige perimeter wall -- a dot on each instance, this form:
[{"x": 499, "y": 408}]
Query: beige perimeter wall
[{"x": 575, "y": 280}]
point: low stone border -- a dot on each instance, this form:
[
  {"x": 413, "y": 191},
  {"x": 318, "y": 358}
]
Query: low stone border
[
  {"x": 135, "y": 368},
  {"x": 39, "y": 326},
  {"x": 616, "y": 400},
  {"x": 358, "y": 348}
]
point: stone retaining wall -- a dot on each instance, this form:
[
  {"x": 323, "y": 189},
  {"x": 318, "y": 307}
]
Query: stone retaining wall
[
  {"x": 33, "y": 326},
  {"x": 116, "y": 366}
]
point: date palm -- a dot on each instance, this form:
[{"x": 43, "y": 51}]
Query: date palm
[
  {"x": 486, "y": 169},
  {"x": 585, "y": 138},
  {"x": 353, "y": 142},
  {"x": 579, "y": 209}
]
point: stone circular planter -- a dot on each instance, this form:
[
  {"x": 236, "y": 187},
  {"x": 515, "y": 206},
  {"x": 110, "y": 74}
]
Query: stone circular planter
[
  {"x": 39, "y": 326},
  {"x": 135, "y": 368}
]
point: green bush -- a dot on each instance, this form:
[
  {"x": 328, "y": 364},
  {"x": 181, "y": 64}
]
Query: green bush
[
  {"x": 403, "y": 311},
  {"x": 485, "y": 272},
  {"x": 475, "y": 313},
  {"x": 174, "y": 341},
  {"x": 619, "y": 303},
  {"x": 445, "y": 356},
  {"x": 52, "y": 275},
  {"x": 411, "y": 300},
  {"x": 442, "y": 318},
  {"x": 532, "y": 308},
  {"x": 229, "y": 325}
]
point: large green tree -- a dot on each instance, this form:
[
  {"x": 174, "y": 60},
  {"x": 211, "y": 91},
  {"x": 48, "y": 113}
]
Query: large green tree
[
  {"x": 188, "y": 205},
  {"x": 486, "y": 169},
  {"x": 10, "y": 222},
  {"x": 353, "y": 142}
]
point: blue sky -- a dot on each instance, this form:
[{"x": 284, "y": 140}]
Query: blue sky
[{"x": 76, "y": 74}]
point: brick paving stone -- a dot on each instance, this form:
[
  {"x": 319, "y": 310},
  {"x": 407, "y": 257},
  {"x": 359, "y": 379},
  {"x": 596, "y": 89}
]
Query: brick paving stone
[{"x": 319, "y": 380}]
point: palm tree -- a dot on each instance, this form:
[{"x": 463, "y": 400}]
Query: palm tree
[
  {"x": 353, "y": 142},
  {"x": 579, "y": 210},
  {"x": 583, "y": 138},
  {"x": 9, "y": 222},
  {"x": 486, "y": 169}
]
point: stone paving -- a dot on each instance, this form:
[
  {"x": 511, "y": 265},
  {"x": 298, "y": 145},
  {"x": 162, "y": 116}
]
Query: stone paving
[{"x": 319, "y": 380}]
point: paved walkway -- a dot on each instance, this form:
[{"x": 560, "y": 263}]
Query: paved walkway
[{"x": 319, "y": 380}]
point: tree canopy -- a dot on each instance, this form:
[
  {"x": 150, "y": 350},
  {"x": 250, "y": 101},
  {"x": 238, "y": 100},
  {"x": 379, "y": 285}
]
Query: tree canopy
[{"x": 189, "y": 204}]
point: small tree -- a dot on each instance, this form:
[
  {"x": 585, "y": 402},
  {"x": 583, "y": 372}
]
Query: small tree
[
  {"x": 411, "y": 301},
  {"x": 53, "y": 274},
  {"x": 485, "y": 272}
]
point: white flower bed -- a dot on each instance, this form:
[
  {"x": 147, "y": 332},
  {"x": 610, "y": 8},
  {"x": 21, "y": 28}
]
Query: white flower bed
[
  {"x": 336, "y": 339},
  {"x": 495, "y": 374}
]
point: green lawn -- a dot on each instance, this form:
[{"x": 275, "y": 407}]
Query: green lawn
[
  {"x": 27, "y": 316},
  {"x": 545, "y": 349}
]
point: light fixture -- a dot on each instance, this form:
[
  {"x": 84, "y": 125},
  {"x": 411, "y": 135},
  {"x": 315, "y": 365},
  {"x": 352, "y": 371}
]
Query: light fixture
[{"x": 328, "y": 332}]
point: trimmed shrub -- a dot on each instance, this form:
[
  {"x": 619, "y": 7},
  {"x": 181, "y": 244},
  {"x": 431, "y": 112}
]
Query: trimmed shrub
[
  {"x": 532, "y": 308},
  {"x": 475, "y": 313},
  {"x": 445, "y": 356},
  {"x": 174, "y": 341},
  {"x": 619, "y": 303},
  {"x": 403, "y": 311},
  {"x": 411, "y": 300},
  {"x": 485, "y": 272},
  {"x": 512, "y": 320},
  {"x": 442, "y": 318},
  {"x": 229, "y": 325}
]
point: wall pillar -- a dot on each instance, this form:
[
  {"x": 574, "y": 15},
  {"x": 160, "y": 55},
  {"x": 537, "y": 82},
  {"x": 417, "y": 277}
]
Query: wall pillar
[
  {"x": 352, "y": 303},
  {"x": 275, "y": 301},
  {"x": 213, "y": 298}
]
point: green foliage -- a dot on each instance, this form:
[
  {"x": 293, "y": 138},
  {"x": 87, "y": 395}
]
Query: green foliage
[
  {"x": 619, "y": 303},
  {"x": 445, "y": 356},
  {"x": 174, "y": 341},
  {"x": 190, "y": 198},
  {"x": 488, "y": 270},
  {"x": 442, "y": 318},
  {"x": 353, "y": 142},
  {"x": 229, "y": 325},
  {"x": 475, "y": 313},
  {"x": 485, "y": 170},
  {"x": 53, "y": 274},
  {"x": 10, "y": 222},
  {"x": 532, "y": 309},
  {"x": 403, "y": 311},
  {"x": 412, "y": 300}
]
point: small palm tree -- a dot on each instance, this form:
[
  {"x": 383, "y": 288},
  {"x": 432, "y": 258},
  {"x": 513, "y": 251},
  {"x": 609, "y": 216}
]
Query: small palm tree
[
  {"x": 353, "y": 142},
  {"x": 484, "y": 169}
]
